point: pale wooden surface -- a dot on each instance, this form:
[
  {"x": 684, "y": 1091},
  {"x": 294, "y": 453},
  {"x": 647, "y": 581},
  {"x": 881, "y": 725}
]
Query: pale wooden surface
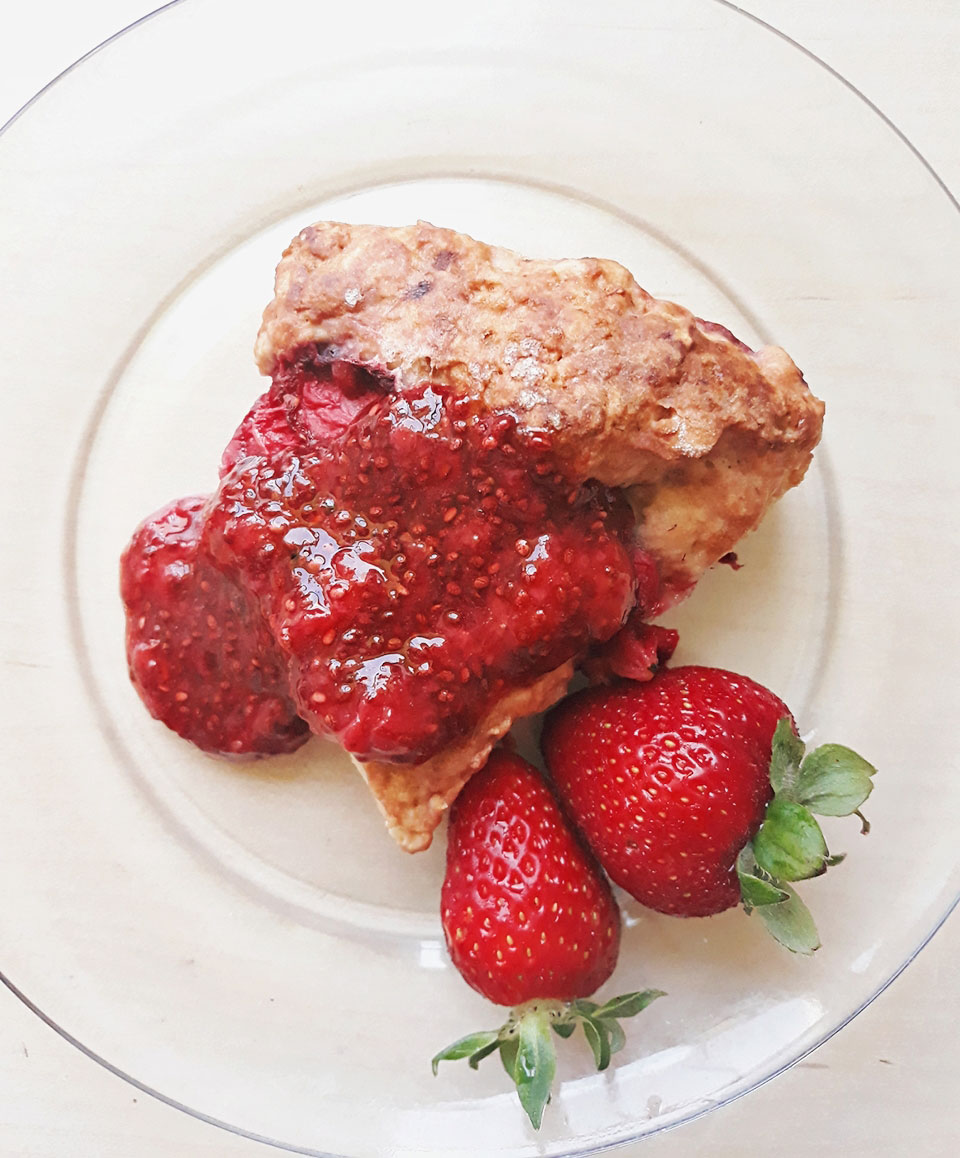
[{"x": 886, "y": 1086}]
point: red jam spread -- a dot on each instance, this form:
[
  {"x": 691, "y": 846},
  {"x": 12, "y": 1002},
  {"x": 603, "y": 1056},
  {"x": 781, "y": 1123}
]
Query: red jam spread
[
  {"x": 413, "y": 560},
  {"x": 199, "y": 651}
]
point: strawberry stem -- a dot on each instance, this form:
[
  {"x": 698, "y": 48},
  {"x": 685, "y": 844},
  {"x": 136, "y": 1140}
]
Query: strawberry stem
[{"x": 526, "y": 1047}]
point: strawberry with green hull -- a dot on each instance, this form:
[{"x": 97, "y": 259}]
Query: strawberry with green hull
[
  {"x": 530, "y": 922},
  {"x": 694, "y": 792}
]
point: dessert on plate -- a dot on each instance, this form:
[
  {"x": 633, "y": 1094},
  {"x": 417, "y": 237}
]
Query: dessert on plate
[{"x": 471, "y": 473}]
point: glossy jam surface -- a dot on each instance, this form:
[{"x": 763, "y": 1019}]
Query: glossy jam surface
[
  {"x": 413, "y": 559},
  {"x": 200, "y": 654}
]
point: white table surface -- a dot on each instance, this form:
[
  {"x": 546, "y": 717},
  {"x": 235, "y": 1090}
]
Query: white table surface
[{"x": 886, "y": 1087}]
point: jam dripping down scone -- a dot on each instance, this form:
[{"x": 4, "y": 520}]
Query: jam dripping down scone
[
  {"x": 418, "y": 566},
  {"x": 469, "y": 471}
]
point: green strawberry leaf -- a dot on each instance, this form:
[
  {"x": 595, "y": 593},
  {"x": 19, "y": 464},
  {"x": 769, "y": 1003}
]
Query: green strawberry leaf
[
  {"x": 627, "y": 1004},
  {"x": 747, "y": 863},
  {"x": 474, "y": 1060},
  {"x": 564, "y": 1028},
  {"x": 756, "y": 887},
  {"x": 466, "y": 1047},
  {"x": 508, "y": 1056},
  {"x": 584, "y": 1008},
  {"x": 834, "y": 781},
  {"x": 789, "y": 845},
  {"x": 618, "y": 1039},
  {"x": 791, "y": 924},
  {"x": 535, "y": 1066},
  {"x": 598, "y": 1035},
  {"x": 755, "y": 892},
  {"x": 785, "y": 757}
]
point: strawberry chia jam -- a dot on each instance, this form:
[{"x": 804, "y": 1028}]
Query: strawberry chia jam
[
  {"x": 199, "y": 651},
  {"x": 402, "y": 562}
]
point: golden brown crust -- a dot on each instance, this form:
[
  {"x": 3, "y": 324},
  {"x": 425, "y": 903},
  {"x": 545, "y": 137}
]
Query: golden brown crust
[
  {"x": 575, "y": 347},
  {"x": 413, "y": 799},
  {"x": 636, "y": 392}
]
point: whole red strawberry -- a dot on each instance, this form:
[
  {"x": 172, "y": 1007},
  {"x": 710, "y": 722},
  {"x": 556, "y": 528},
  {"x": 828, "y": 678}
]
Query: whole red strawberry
[
  {"x": 530, "y": 922},
  {"x": 693, "y": 792},
  {"x": 526, "y": 911}
]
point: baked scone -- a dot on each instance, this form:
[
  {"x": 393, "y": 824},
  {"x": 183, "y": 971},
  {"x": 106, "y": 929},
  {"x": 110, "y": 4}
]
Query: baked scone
[
  {"x": 636, "y": 393},
  {"x": 470, "y": 470}
]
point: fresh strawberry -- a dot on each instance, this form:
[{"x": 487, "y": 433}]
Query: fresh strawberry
[
  {"x": 526, "y": 912},
  {"x": 530, "y": 922},
  {"x": 694, "y": 793}
]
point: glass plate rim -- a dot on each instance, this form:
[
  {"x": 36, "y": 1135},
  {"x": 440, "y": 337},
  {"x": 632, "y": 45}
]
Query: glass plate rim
[{"x": 952, "y": 903}]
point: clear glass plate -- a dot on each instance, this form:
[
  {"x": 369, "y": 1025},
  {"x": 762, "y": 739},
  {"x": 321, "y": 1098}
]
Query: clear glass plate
[{"x": 244, "y": 941}]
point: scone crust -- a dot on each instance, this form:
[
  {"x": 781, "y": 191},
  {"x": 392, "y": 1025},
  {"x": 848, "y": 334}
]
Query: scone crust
[{"x": 626, "y": 383}]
